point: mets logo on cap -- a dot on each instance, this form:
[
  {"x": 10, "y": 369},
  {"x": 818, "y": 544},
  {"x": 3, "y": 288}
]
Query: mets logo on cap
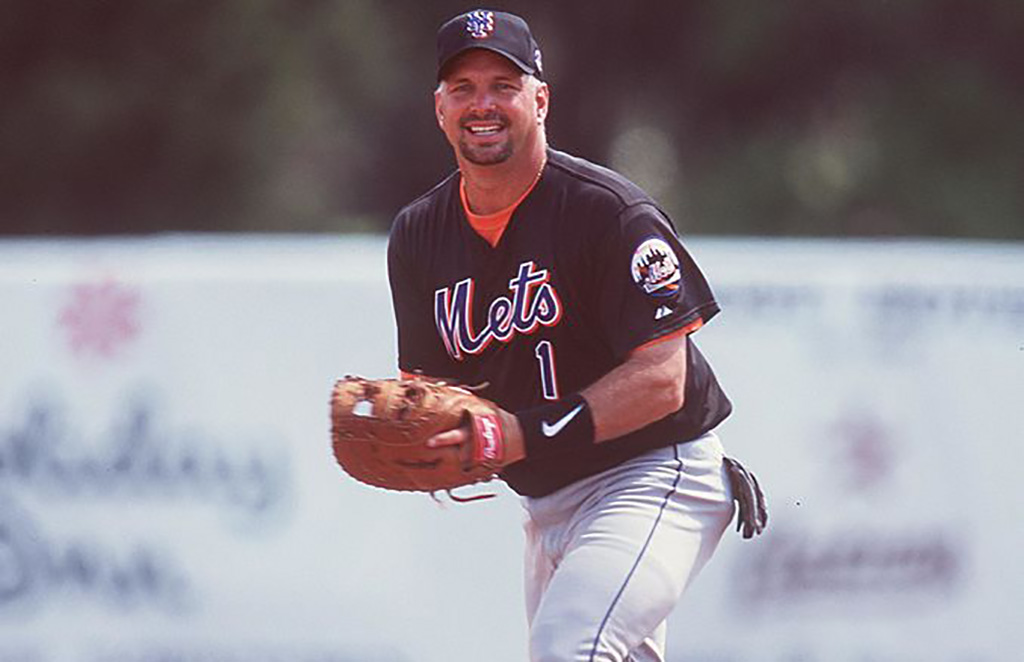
[
  {"x": 655, "y": 268},
  {"x": 480, "y": 23}
]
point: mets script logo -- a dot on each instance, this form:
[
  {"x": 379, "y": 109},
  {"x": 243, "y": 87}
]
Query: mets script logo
[
  {"x": 480, "y": 23},
  {"x": 534, "y": 303}
]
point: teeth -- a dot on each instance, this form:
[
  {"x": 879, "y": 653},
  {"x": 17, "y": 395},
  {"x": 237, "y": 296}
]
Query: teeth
[{"x": 494, "y": 128}]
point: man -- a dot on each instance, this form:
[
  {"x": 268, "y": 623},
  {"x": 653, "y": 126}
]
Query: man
[{"x": 562, "y": 290}]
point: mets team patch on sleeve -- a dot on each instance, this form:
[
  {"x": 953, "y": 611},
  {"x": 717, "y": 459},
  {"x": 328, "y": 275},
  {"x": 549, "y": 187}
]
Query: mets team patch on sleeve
[{"x": 655, "y": 268}]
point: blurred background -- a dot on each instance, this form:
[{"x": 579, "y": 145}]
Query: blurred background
[
  {"x": 194, "y": 197},
  {"x": 806, "y": 117}
]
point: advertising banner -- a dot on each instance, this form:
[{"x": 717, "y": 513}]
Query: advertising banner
[{"x": 168, "y": 494}]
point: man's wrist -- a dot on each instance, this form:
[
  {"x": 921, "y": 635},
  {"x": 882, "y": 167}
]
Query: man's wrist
[
  {"x": 515, "y": 449},
  {"x": 556, "y": 427}
]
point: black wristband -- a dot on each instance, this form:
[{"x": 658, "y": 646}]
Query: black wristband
[{"x": 557, "y": 426}]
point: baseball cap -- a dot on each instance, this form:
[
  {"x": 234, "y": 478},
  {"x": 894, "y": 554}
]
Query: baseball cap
[{"x": 501, "y": 32}]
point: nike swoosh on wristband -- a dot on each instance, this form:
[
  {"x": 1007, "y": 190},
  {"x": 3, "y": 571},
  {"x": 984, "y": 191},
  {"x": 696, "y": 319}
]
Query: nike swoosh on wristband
[{"x": 551, "y": 429}]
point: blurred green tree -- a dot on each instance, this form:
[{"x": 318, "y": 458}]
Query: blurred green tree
[{"x": 810, "y": 118}]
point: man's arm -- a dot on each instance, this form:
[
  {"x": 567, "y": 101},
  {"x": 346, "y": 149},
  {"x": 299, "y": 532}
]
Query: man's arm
[{"x": 648, "y": 386}]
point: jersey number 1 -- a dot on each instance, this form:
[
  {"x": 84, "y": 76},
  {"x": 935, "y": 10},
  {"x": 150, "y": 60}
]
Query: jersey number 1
[{"x": 545, "y": 353}]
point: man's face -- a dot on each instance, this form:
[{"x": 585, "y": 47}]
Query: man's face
[{"x": 489, "y": 109}]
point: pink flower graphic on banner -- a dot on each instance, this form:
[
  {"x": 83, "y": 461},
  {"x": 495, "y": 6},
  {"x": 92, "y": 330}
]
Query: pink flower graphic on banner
[
  {"x": 865, "y": 450},
  {"x": 101, "y": 318}
]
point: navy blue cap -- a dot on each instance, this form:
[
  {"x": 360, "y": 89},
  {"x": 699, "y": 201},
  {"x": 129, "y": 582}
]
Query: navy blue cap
[{"x": 501, "y": 32}]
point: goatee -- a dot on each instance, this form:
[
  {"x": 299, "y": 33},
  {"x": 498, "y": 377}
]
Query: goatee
[{"x": 485, "y": 156}]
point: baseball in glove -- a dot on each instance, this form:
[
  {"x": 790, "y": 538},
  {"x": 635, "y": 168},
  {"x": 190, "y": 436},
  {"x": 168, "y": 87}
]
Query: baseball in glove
[{"x": 380, "y": 429}]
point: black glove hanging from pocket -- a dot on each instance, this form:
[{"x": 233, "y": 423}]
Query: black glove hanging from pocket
[{"x": 752, "y": 513}]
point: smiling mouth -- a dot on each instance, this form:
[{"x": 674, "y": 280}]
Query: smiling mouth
[{"x": 484, "y": 130}]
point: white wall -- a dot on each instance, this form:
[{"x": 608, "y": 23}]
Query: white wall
[{"x": 167, "y": 491}]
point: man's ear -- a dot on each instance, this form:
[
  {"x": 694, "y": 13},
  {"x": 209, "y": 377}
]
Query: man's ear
[
  {"x": 438, "y": 113},
  {"x": 543, "y": 101}
]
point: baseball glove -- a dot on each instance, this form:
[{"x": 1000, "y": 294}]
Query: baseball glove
[
  {"x": 379, "y": 430},
  {"x": 751, "y": 507}
]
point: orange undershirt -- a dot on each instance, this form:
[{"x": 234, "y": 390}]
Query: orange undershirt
[
  {"x": 492, "y": 226},
  {"x": 488, "y": 226}
]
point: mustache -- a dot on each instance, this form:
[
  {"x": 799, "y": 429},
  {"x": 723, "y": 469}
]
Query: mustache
[{"x": 490, "y": 116}]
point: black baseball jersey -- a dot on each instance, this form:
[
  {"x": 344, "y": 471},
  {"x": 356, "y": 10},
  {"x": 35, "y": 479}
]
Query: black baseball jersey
[{"x": 588, "y": 269}]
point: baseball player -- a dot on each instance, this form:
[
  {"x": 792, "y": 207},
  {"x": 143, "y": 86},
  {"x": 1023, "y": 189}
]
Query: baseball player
[{"x": 562, "y": 290}]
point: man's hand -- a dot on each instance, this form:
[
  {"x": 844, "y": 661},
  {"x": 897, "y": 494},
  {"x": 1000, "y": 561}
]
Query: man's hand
[
  {"x": 471, "y": 436},
  {"x": 418, "y": 435}
]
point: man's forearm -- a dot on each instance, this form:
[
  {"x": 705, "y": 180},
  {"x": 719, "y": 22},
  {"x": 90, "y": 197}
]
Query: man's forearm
[{"x": 647, "y": 387}]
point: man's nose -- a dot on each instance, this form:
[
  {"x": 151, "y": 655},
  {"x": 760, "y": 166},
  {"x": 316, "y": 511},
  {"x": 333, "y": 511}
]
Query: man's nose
[{"x": 482, "y": 100}]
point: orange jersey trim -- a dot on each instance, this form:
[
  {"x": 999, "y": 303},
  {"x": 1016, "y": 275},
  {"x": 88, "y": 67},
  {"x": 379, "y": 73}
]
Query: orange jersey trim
[
  {"x": 492, "y": 226},
  {"x": 685, "y": 331}
]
